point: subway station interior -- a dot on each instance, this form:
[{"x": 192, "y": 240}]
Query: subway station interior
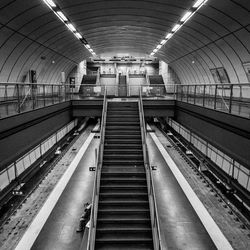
[{"x": 124, "y": 124}]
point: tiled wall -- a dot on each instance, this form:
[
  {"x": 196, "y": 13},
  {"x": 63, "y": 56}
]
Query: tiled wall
[
  {"x": 223, "y": 161},
  {"x": 16, "y": 168}
]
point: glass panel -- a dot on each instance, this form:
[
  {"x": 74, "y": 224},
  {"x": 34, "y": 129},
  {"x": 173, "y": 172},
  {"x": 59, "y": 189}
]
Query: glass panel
[
  {"x": 37, "y": 152},
  {"x": 227, "y": 166},
  {"x": 26, "y": 161},
  {"x": 222, "y": 98},
  {"x": 213, "y": 156},
  {"x": 199, "y": 95},
  {"x": 236, "y": 172},
  {"x": 248, "y": 187},
  {"x": 242, "y": 179},
  {"x": 219, "y": 160},
  {"x": 19, "y": 167},
  {"x": 4, "y": 181},
  {"x": 11, "y": 172},
  {"x": 32, "y": 156}
]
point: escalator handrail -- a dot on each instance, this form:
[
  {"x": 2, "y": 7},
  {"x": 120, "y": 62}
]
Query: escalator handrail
[
  {"x": 150, "y": 181},
  {"x": 95, "y": 195}
]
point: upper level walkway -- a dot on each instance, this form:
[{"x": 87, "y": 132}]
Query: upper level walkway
[{"x": 17, "y": 98}]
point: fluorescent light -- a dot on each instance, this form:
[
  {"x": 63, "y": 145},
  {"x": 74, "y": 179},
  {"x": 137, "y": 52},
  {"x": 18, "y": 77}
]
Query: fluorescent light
[
  {"x": 50, "y": 3},
  {"x": 186, "y": 16},
  {"x": 94, "y": 53},
  {"x": 152, "y": 53},
  {"x": 155, "y": 50},
  {"x": 198, "y": 3},
  {"x": 169, "y": 35},
  {"x": 91, "y": 50},
  {"x": 63, "y": 17},
  {"x": 158, "y": 46},
  {"x": 176, "y": 27},
  {"x": 87, "y": 46},
  {"x": 163, "y": 41},
  {"x": 71, "y": 27},
  {"x": 78, "y": 35}
]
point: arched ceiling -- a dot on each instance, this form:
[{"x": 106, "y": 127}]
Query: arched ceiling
[{"x": 31, "y": 36}]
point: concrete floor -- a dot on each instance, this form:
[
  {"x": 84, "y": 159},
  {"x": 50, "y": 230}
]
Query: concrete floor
[
  {"x": 181, "y": 228},
  {"x": 59, "y": 231}
]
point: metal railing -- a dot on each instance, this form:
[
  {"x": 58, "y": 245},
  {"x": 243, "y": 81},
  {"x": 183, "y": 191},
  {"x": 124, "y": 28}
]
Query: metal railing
[
  {"x": 95, "y": 195},
  {"x": 16, "y": 98},
  {"x": 150, "y": 183},
  {"x": 234, "y": 99},
  {"x": 228, "y": 98}
]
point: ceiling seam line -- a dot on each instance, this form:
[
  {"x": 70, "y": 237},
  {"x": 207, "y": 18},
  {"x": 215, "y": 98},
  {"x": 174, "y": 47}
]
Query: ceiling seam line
[{"x": 33, "y": 40}]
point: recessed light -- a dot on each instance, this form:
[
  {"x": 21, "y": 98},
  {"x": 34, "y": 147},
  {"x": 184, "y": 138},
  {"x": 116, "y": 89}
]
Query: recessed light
[
  {"x": 176, "y": 27},
  {"x": 62, "y": 16}
]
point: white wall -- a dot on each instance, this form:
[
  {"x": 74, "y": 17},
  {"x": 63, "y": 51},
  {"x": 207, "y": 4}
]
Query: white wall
[{"x": 163, "y": 70}]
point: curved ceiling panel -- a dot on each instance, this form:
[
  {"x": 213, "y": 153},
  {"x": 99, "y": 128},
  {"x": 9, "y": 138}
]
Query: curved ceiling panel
[{"x": 32, "y": 37}]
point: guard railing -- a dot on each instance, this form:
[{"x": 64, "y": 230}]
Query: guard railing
[
  {"x": 95, "y": 195},
  {"x": 230, "y": 98},
  {"x": 150, "y": 183}
]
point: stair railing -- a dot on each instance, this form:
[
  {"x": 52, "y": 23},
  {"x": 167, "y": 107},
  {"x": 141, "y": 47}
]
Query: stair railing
[
  {"x": 99, "y": 161},
  {"x": 98, "y": 76},
  {"x": 150, "y": 183},
  {"x": 147, "y": 78}
]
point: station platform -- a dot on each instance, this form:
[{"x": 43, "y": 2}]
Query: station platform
[
  {"x": 55, "y": 225},
  {"x": 184, "y": 222}
]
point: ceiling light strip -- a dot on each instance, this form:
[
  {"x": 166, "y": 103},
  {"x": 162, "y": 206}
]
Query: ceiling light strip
[
  {"x": 58, "y": 12},
  {"x": 197, "y": 5}
]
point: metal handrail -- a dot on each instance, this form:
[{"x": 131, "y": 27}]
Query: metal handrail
[
  {"x": 95, "y": 194},
  {"x": 223, "y": 100},
  {"x": 150, "y": 183},
  {"x": 228, "y": 96},
  {"x": 25, "y": 97}
]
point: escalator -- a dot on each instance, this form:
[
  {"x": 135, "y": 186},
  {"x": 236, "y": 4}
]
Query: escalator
[{"x": 122, "y": 89}]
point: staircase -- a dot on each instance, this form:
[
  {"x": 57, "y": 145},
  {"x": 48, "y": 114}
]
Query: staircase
[
  {"x": 123, "y": 219},
  {"x": 122, "y": 86},
  {"x": 156, "y": 80}
]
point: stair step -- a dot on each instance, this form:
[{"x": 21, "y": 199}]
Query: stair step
[
  {"x": 123, "y": 162},
  {"x": 124, "y": 223},
  {"x": 114, "y": 146},
  {"x": 128, "y": 240},
  {"x": 123, "y": 204},
  {"x": 123, "y": 197},
  {"x": 123, "y": 234},
  {"x": 123, "y": 189},
  {"x": 122, "y": 179},
  {"x": 121, "y": 230},
  {"x": 123, "y": 115},
  {"x": 123, "y": 105},
  {"x": 123, "y": 141},
  {"x": 124, "y": 215},
  {"x": 109, "y": 245},
  {"x": 122, "y": 183},
  {"x": 122, "y": 151},
  {"x": 127, "y": 132},
  {"x": 123, "y": 136},
  {"x": 123, "y": 157},
  {"x": 123, "y": 170},
  {"x": 122, "y": 127},
  {"x": 118, "y": 123},
  {"x": 123, "y": 175}
]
